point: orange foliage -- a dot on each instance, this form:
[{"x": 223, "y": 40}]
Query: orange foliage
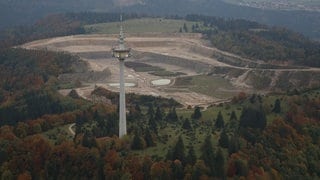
[
  {"x": 24, "y": 176},
  {"x": 160, "y": 169}
]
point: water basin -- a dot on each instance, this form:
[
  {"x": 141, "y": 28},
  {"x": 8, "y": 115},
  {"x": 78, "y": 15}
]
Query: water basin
[{"x": 161, "y": 82}]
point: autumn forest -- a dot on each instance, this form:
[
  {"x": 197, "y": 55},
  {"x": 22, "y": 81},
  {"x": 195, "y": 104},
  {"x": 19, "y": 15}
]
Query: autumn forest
[{"x": 253, "y": 136}]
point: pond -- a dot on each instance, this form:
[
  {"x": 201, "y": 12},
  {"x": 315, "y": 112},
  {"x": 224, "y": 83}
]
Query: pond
[{"x": 161, "y": 82}]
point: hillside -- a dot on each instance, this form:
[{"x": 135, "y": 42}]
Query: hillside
[
  {"x": 306, "y": 5},
  {"x": 203, "y": 75},
  {"x": 13, "y": 11},
  {"x": 237, "y": 117}
]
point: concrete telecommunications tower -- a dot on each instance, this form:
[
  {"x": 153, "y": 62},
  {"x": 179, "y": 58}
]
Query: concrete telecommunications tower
[{"x": 121, "y": 52}]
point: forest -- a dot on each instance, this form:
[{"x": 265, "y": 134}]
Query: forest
[
  {"x": 259, "y": 140},
  {"x": 256, "y": 41},
  {"x": 274, "y": 136}
]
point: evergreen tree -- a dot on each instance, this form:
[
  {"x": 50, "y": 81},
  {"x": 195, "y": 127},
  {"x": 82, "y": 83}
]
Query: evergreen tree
[
  {"x": 219, "y": 121},
  {"x": 134, "y": 113},
  {"x": 253, "y": 117},
  {"x": 277, "y": 106},
  {"x": 219, "y": 164},
  {"x": 148, "y": 138},
  {"x": 234, "y": 145},
  {"x": 185, "y": 28},
  {"x": 137, "y": 142},
  {"x": 197, "y": 113},
  {"x": 177, "y": 169},
  {"x": 253, "y": 98},
  {"x": 233, "y": 122},
  {"x": 200, "y": 169},
  {"x": 233, "y": 116},
  {"x": 89, "y": 140},
  {"x": 178, "y": 151},
  {"x": 153, "y": 125},
  {"x": 207, "y": 154},
  {"x": 158, "y": 116},
  {"x": 73, "y": 93},
  {"x": 172, "y": 115},
  {"x": 137, "y": 108},
  {"x": 186, "y": 124},
  {"x": 169, "y": 155},
  {"x": 191, "y": 157},
  {"x": 224, "y": 139},
  {"x": 150, "y": 110}
]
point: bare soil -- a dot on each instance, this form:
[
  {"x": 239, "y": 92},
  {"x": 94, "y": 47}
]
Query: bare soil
[{"x": 188, "y": 47}]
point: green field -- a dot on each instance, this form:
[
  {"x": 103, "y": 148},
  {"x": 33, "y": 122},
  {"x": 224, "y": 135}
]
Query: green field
[
  {"x": 214, "y": 86},
  {"x": 58, "y": 134},
  {"x": 140, "y": 26}
]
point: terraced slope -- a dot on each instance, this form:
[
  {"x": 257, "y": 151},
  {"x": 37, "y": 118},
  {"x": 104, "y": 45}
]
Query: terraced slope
[{"x": 187, "y": 54}]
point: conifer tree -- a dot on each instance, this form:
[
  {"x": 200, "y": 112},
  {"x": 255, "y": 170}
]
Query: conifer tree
[
  {"x": 224, "y": 139},
  {"x": 277, "y": 106},
  {"x": 177, "y": 169},
  {"x": 234, "y": 145},
  {"x": 197, "y": 113},
  {"x": 253, "y": 117},
  {"x": 219, "y": 164},
  {"x": 178, "y": 151},
  {"x": 158, "y": 115},
  {"x": 219, "y": 121},
  {"x": 150, "y": 110},
  {"x": 172, "y": 115},
  {"x": 207, "y": 153},
  {"x": 89, "y": 140},
  {"x": 153, "y": 125},
  {"x": 185, "y": 28},
  {"x": 186, "y": 124},
  {"x": 191, "y": 157},
  {"x": 137, "y": 142},
  {"x": 137, "y": 108},
  {"x": 148, "y": 138},
  {"x": 233, "y": 116}
]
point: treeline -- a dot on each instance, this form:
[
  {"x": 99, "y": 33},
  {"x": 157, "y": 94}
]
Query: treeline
[
  {"x": 245, "y": 38},
  {"x": 256, "y": 41},
  {"x": 57, "y": 25}
]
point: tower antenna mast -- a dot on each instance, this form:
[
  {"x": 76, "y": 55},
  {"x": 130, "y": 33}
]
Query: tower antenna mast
[{"x": 121, "y": 52}]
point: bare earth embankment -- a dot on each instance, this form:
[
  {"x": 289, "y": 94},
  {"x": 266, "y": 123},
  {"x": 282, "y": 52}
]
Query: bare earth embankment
[{"x": 187, "y": 54}]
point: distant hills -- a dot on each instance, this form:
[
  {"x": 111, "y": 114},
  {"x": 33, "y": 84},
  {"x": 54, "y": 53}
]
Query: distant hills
[
  {"x": 305, "y": 22},
  {"x": 13, "y": 13}
]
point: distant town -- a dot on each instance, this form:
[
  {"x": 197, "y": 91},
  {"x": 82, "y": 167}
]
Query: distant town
[{"x": 311, "y": 5}]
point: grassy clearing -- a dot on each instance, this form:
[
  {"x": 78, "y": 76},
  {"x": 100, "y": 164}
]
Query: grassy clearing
[
  {"x": 166, "y": 73},
  {"x": 143, "y": 25},
  {"x": 214, "y": 86},
  {"x": 142, "y": 67},
  {"x": 170, "y": 132},
  {"x": 58, "y": 134},
  {"x": 154, "y": 70}
]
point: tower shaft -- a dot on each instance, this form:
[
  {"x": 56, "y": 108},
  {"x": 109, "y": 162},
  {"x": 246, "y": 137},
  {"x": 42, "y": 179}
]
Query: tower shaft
[
  {"x": 122, "y": 103},
  {"x": 121, "y": 53}
]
